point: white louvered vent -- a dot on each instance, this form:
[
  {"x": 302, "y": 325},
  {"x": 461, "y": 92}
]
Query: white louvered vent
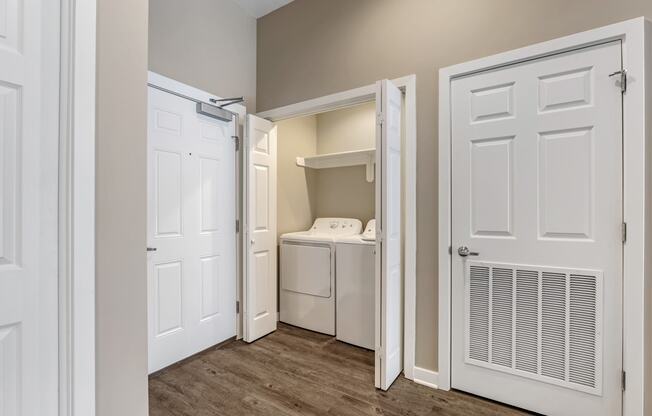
[{"x": 537, "y": 322}]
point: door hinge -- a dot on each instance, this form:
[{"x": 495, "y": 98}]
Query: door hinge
[
  {"x": 450, "y": 250},
  {"x": 623, "y": 79},
  {"x": 623, "y": 381},
  {"x": 237, "y": 226},
  {"x": 380, "y": 119},
  {"x": 236, "y": 139},
  {"x": 624, "y": 232},
  {"x": 237, "y": 306}
]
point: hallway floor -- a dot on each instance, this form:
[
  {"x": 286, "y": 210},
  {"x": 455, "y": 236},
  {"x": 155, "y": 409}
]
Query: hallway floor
[{"x": 297, "y": 372}]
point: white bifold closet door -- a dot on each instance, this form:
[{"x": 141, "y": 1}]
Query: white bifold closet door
[
  {"x": 29, "y": 109},
  {"x": 389, "y": 272},
  {"x": 260, "y": 272},
  {"x": 536, "y": 233},
  {"x": 191, "y": 224}
]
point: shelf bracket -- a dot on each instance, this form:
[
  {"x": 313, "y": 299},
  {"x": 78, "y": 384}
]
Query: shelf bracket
[{"x": 370, "y": 171}]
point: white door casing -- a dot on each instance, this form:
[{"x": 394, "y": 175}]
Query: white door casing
[
  {"x": 191, "y": 224},
  {"x": 260, "y": 271},
  {"x": 389, "y": 285},
  {"x": 28, "y": 208},
  {"x": 537, "y": 192}
]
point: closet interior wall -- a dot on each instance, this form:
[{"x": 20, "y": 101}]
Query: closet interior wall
[{"x": 305, "y": 194}]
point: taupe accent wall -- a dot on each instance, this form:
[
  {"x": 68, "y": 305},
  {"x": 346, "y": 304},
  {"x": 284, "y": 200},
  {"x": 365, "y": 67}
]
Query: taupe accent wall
[
  {"x": 121, "y": 202},
  {"x": 311, "y": 48},
  {"x": 209, "y": 44}
]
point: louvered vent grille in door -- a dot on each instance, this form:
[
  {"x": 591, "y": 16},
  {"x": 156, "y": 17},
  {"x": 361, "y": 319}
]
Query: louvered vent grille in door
[{"x": 537, "y": 322}]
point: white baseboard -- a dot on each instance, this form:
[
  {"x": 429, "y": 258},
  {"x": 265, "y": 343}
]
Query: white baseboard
[{"x": 426, "y": 377}]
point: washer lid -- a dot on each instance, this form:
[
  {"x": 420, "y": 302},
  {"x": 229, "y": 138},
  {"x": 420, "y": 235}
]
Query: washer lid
[{"x": 327, "y": 229}]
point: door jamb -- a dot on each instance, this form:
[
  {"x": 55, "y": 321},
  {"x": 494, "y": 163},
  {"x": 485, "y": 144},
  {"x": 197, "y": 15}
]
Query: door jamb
[
  {"x": 637, "y": 291},
  {"x": 407, "y": 85},
  {"x": 76, "y": 234}
]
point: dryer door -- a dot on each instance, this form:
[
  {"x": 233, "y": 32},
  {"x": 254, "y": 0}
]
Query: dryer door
[{"x": 306, "y": 269}]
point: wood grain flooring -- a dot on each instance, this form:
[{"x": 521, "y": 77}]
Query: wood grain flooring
[{"x": 296, "y": 372}]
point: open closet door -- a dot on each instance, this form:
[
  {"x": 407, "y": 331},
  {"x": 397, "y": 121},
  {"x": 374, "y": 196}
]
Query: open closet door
[
  {"x": 260, "y": 310},
  {"x": 389, "y": 323}
]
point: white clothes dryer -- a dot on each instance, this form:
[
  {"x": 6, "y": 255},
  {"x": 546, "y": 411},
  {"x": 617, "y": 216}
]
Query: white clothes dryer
[{"x": 307, "y": 275}]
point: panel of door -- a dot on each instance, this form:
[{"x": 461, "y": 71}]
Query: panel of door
[
  {"x": 260, "y": 282},
  {"x": 29, "y": 128},
  {"x": 389, "y": 284},
  {"x": 191, "y": 225},
  {"x": 537, "y": 245}
]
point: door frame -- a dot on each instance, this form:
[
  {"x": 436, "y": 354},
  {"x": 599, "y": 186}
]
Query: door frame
[
  {"x": 76, "y": 233},
  {"x": 635, "y": 36},
  {"x": 407, "y": 85}
]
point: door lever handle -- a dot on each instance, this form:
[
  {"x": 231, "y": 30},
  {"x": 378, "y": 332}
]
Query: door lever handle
[
  {"x": 464, "y": 251},
  {"x": 151, "y": 249}
]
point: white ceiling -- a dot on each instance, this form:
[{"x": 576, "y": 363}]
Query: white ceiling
[{"x": 259, "y": 8}]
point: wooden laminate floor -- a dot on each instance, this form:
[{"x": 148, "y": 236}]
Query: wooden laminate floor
[{"x": 297, "y": 372}]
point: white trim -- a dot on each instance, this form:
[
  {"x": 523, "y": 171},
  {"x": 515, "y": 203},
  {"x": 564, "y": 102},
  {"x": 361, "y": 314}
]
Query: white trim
[
  {"x": 632, "y": 35},
  {"x": 361, "y": 95},
  {"x": 410, "y": 244},
  {"x": 426, "y": 377},
  {"x": 77, "y": 209},
  {"x": 322, "y": 104}
]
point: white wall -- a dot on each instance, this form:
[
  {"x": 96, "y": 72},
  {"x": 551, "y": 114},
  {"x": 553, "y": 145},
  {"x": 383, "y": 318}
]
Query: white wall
[{"x": 209, "y": 44}]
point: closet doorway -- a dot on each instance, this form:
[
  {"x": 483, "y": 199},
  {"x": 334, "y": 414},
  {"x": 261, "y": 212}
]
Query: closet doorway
[{"x": 304, "y": 278}]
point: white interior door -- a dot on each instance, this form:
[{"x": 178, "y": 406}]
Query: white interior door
[
  {"x": 260, "y": 283},
  {"x": 191, "y": 224},
  {"x": 536, "y": 233},
  {"x": 28, "y": 207},
  {"x": 389, "y": 283}
]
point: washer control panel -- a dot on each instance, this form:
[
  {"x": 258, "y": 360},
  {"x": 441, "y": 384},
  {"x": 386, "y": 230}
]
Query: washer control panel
[{"x": 337, "y": 226}]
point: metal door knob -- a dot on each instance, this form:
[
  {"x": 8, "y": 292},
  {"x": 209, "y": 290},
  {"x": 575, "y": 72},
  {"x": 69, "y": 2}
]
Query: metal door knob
[{"x": 464, "y": 251}]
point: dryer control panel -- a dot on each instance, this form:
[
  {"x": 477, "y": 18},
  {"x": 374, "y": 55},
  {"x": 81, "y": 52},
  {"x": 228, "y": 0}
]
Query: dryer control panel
[{"x": 369, "y": 233}]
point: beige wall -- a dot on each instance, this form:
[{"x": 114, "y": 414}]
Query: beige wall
[
  {"x": 311, "y": 48},
  {"x": 352, "y": 128},
  {"x": 297, "y": 186},
  {"x": 121, "y": 143},
  {"x": 209, "y": 44},
  {"x": 345, "y": 192},
  {"x": 305, "y": 194}
]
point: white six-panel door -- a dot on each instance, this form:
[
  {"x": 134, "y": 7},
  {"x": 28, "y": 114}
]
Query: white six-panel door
[
  {"x": 260, "y": 277},
  {"x": 389, "y": 284},
  {"x": 28, "y": 207},
  {"x": 191, "y": 225},
  {"x": 536, "y": 232}
]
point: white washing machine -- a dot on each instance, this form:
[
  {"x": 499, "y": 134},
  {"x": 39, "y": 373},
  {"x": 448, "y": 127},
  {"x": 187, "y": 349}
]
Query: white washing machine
[
  {"x": 307, "y": 275},
  {"x": 355, "y": 281}
]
